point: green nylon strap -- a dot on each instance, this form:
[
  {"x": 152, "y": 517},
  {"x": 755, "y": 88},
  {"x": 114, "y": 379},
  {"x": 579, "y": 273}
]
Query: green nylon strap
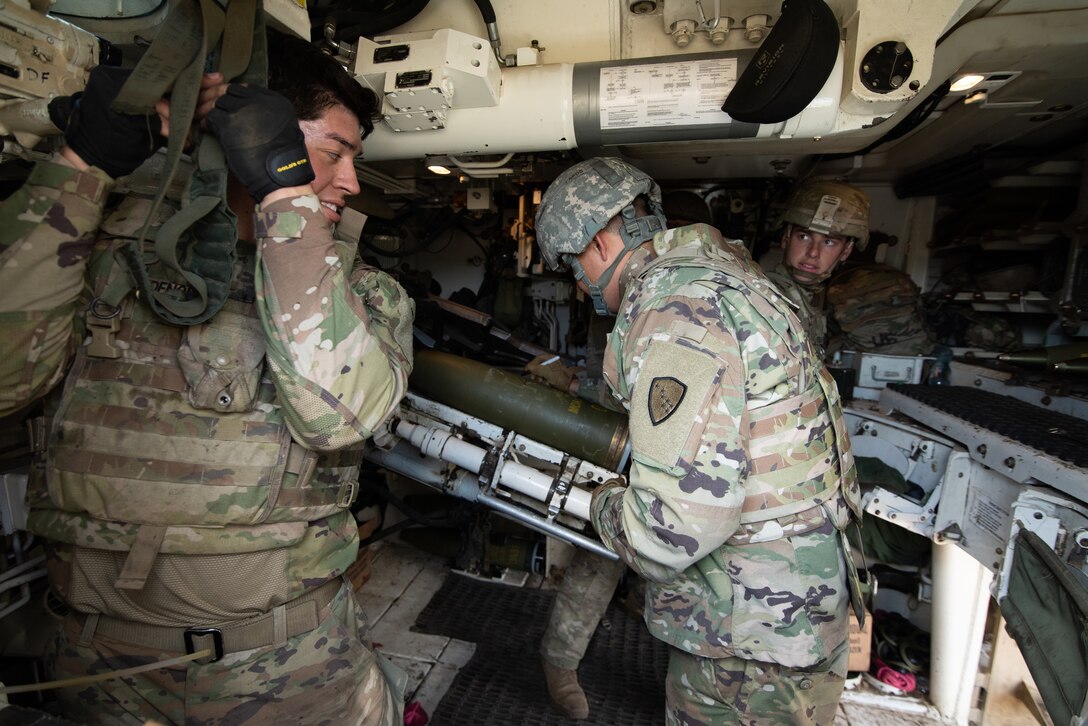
[
  {"x": 183, "y": 99},
  {"x": 198, "y": 242},
  {"x": 175, "y": 45},
  {"x": 207, "y": 224},
  {"x": 209, "y": 229},
  {"x": 238, "y": 43}
]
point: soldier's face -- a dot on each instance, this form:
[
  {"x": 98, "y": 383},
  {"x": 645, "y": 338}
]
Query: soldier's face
[
  {"x": 333, "y": 143},
  {"x": 811, "y": 256},
  {"x": 596, "y": 259}
]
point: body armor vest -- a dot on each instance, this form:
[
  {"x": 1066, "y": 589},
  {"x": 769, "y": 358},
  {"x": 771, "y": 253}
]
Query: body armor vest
[
  {"x": 170, "y": 439},
  {"x": 809, "y": 302},
  {"x": 784, "y": 478}
]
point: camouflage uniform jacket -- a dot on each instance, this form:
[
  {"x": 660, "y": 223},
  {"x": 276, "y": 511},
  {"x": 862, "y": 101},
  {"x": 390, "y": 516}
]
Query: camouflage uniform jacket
[
  {"x": 810, "y": 302},
  {"x": 741, "y": 472},
  {"x": 228, "y": 452}
]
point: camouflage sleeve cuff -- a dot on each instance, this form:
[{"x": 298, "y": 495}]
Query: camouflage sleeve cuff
[
  {"x": 606, "y": 516},
  {"x": 601, "y": 515},
  {"x": 92, "y": 185},
  {"x": 286, "y": 219},
  {"x": 284, "y": 225}
]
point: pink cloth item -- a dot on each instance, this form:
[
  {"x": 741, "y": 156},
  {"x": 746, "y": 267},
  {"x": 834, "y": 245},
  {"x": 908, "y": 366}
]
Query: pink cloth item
[{"x": 414, "y": 715}]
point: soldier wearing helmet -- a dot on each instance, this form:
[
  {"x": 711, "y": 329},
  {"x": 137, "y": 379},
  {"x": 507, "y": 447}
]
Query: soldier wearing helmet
[
  {"x": 589, "y": 581},
  {"x": 681, "y": 208},
  {"x": 823, "y": 222},
  {"x": 607, "y": 196},
  {"x": 735, "y": 508}
]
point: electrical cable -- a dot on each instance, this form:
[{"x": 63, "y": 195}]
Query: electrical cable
[{"x": 913, "y": 120}]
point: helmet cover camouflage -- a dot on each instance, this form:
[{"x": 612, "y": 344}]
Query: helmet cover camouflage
[
  {"x": 830, "y": 208},
  {"x": 582, "y": 200}
]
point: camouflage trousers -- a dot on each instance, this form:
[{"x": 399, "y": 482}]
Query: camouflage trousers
[
  {"x": 580, "y": 603},
  {"x": 329, "y": 675},
  {"x": 710, "y": 691}
]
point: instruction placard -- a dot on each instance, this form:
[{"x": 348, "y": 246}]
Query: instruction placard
[{"x": 666, "y": 94}]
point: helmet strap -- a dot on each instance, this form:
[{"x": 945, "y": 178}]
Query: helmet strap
[
  {"x": 596, "y": 289},
  {"x": 634, "y": 232}
]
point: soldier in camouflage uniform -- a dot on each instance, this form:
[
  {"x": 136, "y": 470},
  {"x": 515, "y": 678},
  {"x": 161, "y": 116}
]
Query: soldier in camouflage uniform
[
  {"x": 877, "y": 309},
  {"x": 742, "y": 480},
  {"x": 589, "y": 581},
  {"x": 193, "y": 483},
  {"x": 580, "y": 602},
  {"x": 823, "y": 222}
]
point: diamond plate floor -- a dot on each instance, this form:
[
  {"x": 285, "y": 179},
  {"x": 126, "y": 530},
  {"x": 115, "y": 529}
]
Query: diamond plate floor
[
  {"x": 622, "y": 673},
  {"x": 483, "y": 668}
]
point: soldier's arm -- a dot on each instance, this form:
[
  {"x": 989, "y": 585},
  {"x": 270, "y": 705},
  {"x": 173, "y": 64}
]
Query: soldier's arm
[
  {"x": 338, "y": 340},
  {"x": 686, "y": 386},
  {"x": 47, "y": 229}
]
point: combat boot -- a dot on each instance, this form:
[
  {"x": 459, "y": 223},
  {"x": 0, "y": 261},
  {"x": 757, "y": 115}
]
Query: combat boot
[{"x": 566, "y": 696}]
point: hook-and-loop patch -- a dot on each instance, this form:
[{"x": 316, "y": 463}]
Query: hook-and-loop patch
[
  {"x": 676, "y": 381},
  {"x": 665, "y": 396}
]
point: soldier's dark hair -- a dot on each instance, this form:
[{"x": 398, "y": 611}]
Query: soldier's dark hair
[{"x": 314, "y": 82}]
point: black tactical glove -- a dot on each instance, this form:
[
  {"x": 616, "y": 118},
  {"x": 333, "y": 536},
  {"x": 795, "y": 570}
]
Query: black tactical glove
[
  {"x": 116, "y": 143},
  {"x": 259, "y": 132}
]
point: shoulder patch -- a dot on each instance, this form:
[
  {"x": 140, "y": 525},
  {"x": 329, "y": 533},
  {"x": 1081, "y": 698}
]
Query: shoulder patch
[{"x": 665, "y": 396}]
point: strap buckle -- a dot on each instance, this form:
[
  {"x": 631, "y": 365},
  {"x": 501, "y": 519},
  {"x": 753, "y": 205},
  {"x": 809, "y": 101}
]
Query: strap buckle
[
  {"x": 217, "y": 643},
  {"x": 103, "y": 324}
]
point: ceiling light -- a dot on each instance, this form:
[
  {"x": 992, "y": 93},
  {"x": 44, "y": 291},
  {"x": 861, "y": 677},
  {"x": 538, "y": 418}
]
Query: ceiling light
[
  {"x": 438, "y": 169},
  {"x": 966, "y": 82}
]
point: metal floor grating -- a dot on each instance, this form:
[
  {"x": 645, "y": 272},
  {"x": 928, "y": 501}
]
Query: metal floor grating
[
  {"x": 1061, "y": 436},
  {"x": 622, "y": 674}
]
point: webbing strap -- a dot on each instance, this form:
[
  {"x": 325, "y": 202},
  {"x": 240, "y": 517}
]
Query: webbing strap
[
  {"x": 212, "y": 243},
  {"x": 183, "y": 99},
  {"x": 238, "y": 43},
  {"x": 141, "y": 557},
  {"x": 172, "y": 63},
  {"x": 176, "y": 44}
]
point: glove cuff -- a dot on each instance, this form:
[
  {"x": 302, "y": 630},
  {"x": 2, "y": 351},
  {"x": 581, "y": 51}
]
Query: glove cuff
[{"x": 288, "y": 166}]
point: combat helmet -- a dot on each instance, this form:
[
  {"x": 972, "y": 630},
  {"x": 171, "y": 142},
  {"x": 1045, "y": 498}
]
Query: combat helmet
[
  {"x": 830, "y": 208},
  {"x": 580, "y": 203}
]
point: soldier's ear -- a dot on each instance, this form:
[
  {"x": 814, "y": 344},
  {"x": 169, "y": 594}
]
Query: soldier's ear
[
  {"x": 847, "y": 250},
  {"x": 785, "y": 236},
  {"x": 598, "y": 246}
]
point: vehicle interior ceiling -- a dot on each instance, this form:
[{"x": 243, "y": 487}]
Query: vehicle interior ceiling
[
  {"x": 998, "y": 169},
  {"x": 973, "y": 190}
]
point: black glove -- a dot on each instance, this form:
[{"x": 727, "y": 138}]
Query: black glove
[
  {"x": 259, "y": 132},
  {"x": 116, "y": 143},
  {"x": 61, "y": 109}
]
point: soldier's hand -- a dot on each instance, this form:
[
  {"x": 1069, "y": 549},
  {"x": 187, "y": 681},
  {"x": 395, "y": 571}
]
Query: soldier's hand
[
  {"x": 116, "y": 143},
  {"x": 549, "y": 369},
  {"x": 212, "y": 87},
  {"x": 264, "y": 145}
]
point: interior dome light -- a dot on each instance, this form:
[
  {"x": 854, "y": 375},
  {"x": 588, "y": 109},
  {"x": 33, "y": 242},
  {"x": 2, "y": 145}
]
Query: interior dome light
[{"x": 966, "y": 82}]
